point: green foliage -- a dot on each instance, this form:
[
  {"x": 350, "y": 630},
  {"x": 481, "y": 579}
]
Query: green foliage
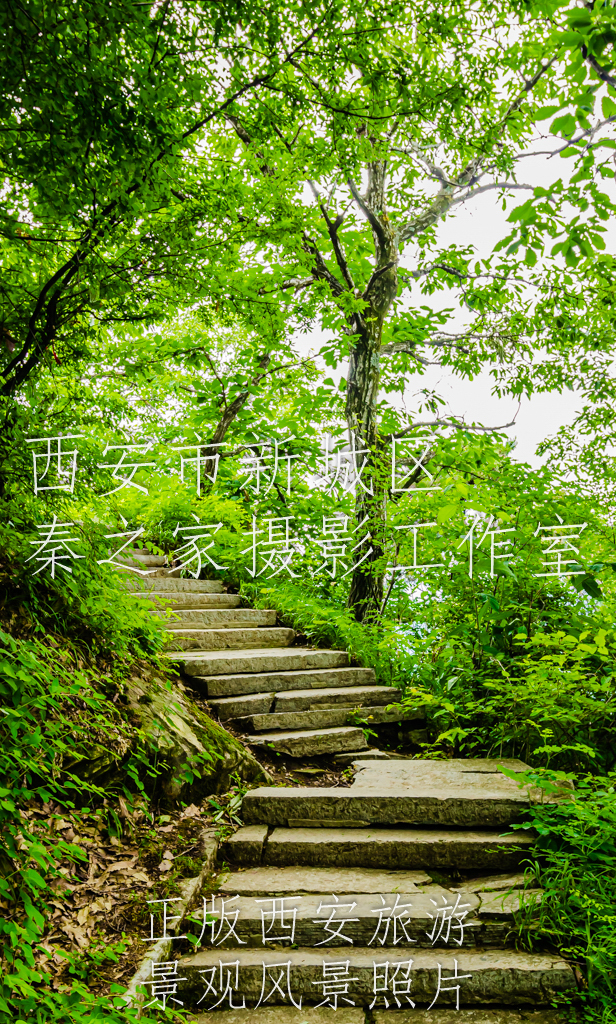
[
  {"x": 88, "y": 604},
  {"x": 171, "y": 504},
  {"x": 325, "y": 622},
  {"x": 553, "y": 702},
  {"x": 576, "y": 868},
  {"x": 60, "y": 739},
  {"x": 161, "y": 248}
]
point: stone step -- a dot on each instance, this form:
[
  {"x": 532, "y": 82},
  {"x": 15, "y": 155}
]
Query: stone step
[
  {"x": 284, "y": 1015},
  {"x": 183, "y": 600},
  {"x": 358, "y": 1015},
  {"x": 220, "y": 618},
  {"x": 273, "y": 881},
  {"x": 404, "y": 849},
  {"x": 290, "y": 701},
  {"x": 277, "y": 663},
  {"x": 373, "y": 754},
  {"x": 143, "y": 558},
  {"x": 230, "y": 639},
  {"x": 487, "y": 883},
  {"x": 170, "y": 585},
  {"x": 453, "y": 1016},
  {"x": 323, "y": 920},
  {"x": 310, "y": 742},
  {"x": 464, "y": 793},
  {"x": 128, "y": 567},
  {"x": 431, "y": 916},
  {"x": 467, "y": 976},
  {"x": 328, "y": 718}
]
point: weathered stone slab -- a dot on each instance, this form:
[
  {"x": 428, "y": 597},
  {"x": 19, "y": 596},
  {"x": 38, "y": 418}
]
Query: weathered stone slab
[
  {"x": 168, "y": 584},
  {"x": 245, "y": 705},
  {"x": 321, "y": 921},
  {"x": 346, "y": 687},
  {"x": 287, "y": 684},
  {"x": 310, "y": 742},
  {"x": 277, "y": 661},
  {"x": 505, "y": 904},
  {"x": 311, "y": 823},
  {"x": 372, "y": 754},
  {"x": 216, "y": 618},
  {"x": 246, "y": 845},
  {"x": 462, "y": 793},
  {"x": 509, "y": 978},
  {"x": 395, "y": 848},
  {"x": 266, "y": 881},
  {"x": 144, "y": 559},
  {"x": 230, "y": 639},
  {"x": 493, "y": 1015},
  {"x": 185, "y": 599},
  {"x": 331, "y": 717},
  {"x": 284, "y": 1015},
  {"x": 514, "y": 880}
]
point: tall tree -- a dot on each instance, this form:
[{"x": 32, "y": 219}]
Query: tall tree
[{"x": 388, "y": 156}]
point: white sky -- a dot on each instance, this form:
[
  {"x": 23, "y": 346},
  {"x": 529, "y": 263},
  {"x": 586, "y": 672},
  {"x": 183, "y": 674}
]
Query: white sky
[{"x": 484, "y": 221}]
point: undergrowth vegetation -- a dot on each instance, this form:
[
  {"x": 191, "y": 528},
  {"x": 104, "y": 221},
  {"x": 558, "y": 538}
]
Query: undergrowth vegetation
[
  {"x": 496, "y": 682},
  {"x": 71, "y": 751},
  {"x": 63, "y": 744},
  {"x": 576, "y": 868}
]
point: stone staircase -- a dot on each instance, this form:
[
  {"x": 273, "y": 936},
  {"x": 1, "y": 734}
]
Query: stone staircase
[
  {"x": 380, "y": 901},
  {"x": 296, "y": 701},
  {"x": 392, "y": 901}
]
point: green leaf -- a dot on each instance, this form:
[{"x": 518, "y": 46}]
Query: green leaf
[
  {"x": 608, "y": 106},
  {"x": 446, "y": 512},
  {"x": 566, "y": 125}
]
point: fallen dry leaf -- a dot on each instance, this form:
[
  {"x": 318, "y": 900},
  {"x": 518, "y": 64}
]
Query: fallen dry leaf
[
  {"x": 78, "y": 935},
  {"x": 191, "y": 811},
  {"x": 126, "y": 876},
  {"x": 121, "y": 865},
  {"x": 83, "y": 915}
]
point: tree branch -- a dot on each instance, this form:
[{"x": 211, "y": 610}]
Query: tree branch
[
  {"x": 332, "y": 230},
  {"x": 508, "y": 186},
  {"x": 321, "y": 271},
  {"x": 376, "y": 274},
  {"x": 444, "y": 200},
  {"x": 457, "y": 422},
  {"x": 369, "y": 214}
]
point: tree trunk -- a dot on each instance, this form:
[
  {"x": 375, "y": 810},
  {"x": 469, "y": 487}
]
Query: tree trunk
[
  {"x": 363, "y": 380},
  {"x": 366, "y": 592}
]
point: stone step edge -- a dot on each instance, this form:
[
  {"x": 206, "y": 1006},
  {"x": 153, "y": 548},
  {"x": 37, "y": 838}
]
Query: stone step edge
[
  {"x": 194, "y": 655},
  {"x": 273, "y": 694},
  {"x": 291, "y": 734},
  {"x": 136, "y": 990},
  {"x": 481, "y": 922},
  {"x": 260, "y": 846},
  {"x": 238, "y": 629},
  {"x": 199, "y": 663},
  {"x": 246, "y": 723},
  {"x": 360, "y": 1015},
  {"x": 493, "y": 977}
]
